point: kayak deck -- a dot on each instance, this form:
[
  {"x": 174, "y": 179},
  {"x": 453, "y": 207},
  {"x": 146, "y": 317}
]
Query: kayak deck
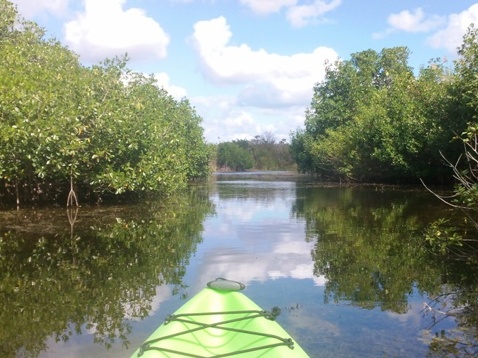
[{"x": 220, "y": 322}]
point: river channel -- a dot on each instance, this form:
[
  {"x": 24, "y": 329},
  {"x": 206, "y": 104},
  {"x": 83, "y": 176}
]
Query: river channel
[{"x": 348, "y": 266}]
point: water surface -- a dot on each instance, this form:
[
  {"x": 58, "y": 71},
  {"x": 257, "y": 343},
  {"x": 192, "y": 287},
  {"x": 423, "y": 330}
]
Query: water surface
[{"x": 347, "y": 266}]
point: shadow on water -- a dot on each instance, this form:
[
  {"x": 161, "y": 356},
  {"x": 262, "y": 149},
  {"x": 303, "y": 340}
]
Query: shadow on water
[{"x": 61, "y": 273}]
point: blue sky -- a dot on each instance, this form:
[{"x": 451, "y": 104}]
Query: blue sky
[{"x": 249, "y": 66}]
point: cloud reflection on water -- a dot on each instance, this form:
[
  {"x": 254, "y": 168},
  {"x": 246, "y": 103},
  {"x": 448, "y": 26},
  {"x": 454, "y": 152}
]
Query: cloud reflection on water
[{"x": 254, "y": 239}]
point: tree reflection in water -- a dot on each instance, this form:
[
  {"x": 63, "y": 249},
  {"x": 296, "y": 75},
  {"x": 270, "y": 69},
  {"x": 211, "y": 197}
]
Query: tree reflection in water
[
  {"x": 94, "y": 274},
  {"x": 374, "y": 255}
]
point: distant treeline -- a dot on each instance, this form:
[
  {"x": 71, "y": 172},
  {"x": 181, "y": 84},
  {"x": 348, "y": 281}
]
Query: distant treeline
[
  {"x": 87, "y": 131},
  {"x": 263, "y": 152}
]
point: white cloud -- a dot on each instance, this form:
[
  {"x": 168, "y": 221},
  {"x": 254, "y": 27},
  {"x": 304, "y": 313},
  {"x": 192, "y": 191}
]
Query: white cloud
[
  {"x": 132, "y": 310},
  {"x": 241, "y": 119},
  {"x": 268, "y": 79},
  {"x": 411, "y": 21},
  {"x": 267, "y": 6},
  {"x": 29, "y": 8},
  {"x": 224, "y": 121},
  {"x": 281, "y": 252},
  {"x": 298, "y": 15},
  {"x": 285, "y": 247},
  {"x": 235, "y": 124},
  {"x": 451, "y": 36},
  {"x": 302, "y": 15},
  {"x": 247, "y": 266},
  {"x": 163, "y": 81},
  {"x": 303, "y": 271},
  {"x": 220, "y": 118},
  {"x": 105, "y": 29},
  {"x": 415, "y": 21}
]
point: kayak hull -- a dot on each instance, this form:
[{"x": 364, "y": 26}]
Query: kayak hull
[{"x": 220, "y": 323}]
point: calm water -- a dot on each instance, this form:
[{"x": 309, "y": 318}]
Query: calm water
[{"x": 347, "y": 266}]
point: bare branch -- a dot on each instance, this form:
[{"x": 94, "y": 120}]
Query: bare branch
[{"x": 439, "y": 196}]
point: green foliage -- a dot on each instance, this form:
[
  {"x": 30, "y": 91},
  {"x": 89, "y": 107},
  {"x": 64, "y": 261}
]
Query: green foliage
[
  {"x": 263, "y": 151},
  {"x": 442, "y": 237},
  {"x": 466, "y": 173},
  {"x": 232, "y": 156},
  {"x": 299, "y": 151},
  {"x": 105, "y": 128},
  {"x": 371, "y": 119},
  {"x": 458, "y": 238},
  {"x": 467, "y": 70}
]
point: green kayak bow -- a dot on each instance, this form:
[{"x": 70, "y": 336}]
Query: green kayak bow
[{"x": 220, "y": 321}]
